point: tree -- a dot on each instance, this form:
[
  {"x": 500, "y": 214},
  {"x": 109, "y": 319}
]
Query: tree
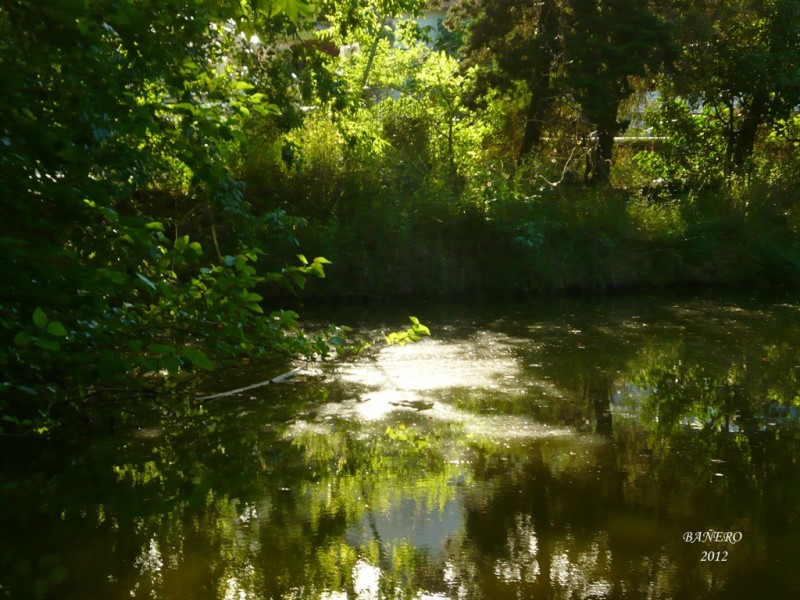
[
  {"x": 585, "y": 50},
  {"x": 517, "y": 42},
  {"x": 608, "y": 43},
  {"x": 367, "y": 23},
  {"x": 103, "y": 106},
  {"x": 740, "y": 60}
]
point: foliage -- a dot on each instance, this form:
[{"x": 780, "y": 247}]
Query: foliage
[
  {"x": 574, "y": 51},
  {"x": 607, "y": 46},
  {"x": 412, "y": 334},
  {"x": 113, "y": 114},
  {"x": 515, "y": 42},
  {"x": 163, "y": 164},
  {"x": 739, "y": 59},
  {"x": 692, "y": 155}
]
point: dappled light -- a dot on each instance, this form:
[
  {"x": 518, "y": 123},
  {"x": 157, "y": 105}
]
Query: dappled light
[
  {"x": 412, "y": 380},
  {"x": 399, "y": 299},
  {"x": 484, "y": 362},
  {"x": 559, "y": 452}
]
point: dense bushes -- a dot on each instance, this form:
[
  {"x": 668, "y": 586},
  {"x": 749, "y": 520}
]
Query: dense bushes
[
  {"x": 151, "y": 156},
  {"x": 129, "y": 249},
  {"x": 385, "y": 206},
  {"x": 416, "y": 186}
]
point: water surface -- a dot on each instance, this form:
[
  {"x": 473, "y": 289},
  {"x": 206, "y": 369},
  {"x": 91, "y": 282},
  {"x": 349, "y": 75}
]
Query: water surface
[{"x": 568, "y": 448}]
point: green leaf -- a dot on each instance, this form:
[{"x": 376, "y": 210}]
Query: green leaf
[
  {"x": 57, "y": 329},
  {"x": 150, "y": 363},
  {"x": 266, "y": 109},
  {"x": 184, "y": 108},
  {"x": 418, "y": 328},
  {"x": 162, "y": 349},
  {"x": 155, "y": 225},
  {"x": 293, "y": 9},
  {"x": 39, "y": 317},
  {"x": 198, "y": 358},
  {"x": 182, "y": 243},
  {"x": 302, "y": 259},
  {"x": 171, "y": 363},
  {"x": 47, "y": 344},
  {"x": 23, "y": 338},
  {"x": 115, "y": 277},
  {"x": 296, "y": 279},
  {"x": 147, "y": 282}
]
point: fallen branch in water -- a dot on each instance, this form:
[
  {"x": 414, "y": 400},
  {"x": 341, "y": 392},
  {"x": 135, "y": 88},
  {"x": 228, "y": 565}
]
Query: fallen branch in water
[{"x": 278, "y": 379}]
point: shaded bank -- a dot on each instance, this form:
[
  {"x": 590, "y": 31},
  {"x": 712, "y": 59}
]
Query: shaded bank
[{"x": 579, "y": 240}]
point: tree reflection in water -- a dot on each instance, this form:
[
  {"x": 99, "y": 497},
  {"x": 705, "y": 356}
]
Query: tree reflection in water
[{"x": 560, "y": 452}]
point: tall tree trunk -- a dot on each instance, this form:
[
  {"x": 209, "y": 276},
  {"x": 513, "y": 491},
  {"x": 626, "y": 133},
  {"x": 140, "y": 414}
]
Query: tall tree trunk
[
  {"x": 598, "y": 165},
  {"x": 372, "y": 52},
  {"x": 534, "y": 120},
  {"x": 746, "y": 136},
  {"x": 539, "y": 83}
]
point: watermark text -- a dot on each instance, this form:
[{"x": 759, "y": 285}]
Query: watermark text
[{"x": 712, "y": 536}]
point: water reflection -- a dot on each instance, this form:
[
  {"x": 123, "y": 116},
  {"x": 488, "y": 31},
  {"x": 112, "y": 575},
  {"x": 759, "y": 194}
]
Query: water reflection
[{"x": 559, "y": 450}]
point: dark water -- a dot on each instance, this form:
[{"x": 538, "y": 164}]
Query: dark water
[{"x": 561, "y": 449}]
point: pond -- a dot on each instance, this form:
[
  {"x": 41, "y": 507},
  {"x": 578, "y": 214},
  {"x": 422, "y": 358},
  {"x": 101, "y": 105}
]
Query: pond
[{"x": 627, "y": 447}]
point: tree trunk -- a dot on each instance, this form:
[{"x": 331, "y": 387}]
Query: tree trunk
[
  {"x": 746, "y": 136},
  {"x": 539, "y": 83},
  {"x": 598, "y": 166},
  {"x": 535, "y": 117},
  {"x": 372, "y": 51}
]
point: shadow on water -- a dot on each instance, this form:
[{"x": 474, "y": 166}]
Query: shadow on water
[{"x": 564, "y": 449}]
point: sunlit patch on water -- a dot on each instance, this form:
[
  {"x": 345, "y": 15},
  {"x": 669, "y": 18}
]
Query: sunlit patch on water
[
  {"x": 584, "y": 575},
  {"x": 419, "y": 380},
  {"x": 472, "y": 426},
  {"x": 149, "y": 563},
  {"x": 382, "y": 404},
  {"x": 509, "y": 427},
  {"x": 366, "y": 585},
  {"x": 485, "y": 362},
  {"x": 152, "y": 432},
  {"x": 366, "y": 582},
  {"x": 377, "y": 405}
]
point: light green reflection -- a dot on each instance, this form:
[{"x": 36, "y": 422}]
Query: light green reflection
[{"x": 560, "y": 452}]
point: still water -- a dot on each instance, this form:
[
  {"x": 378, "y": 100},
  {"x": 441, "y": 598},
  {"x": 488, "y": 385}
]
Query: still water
[{"x": 631, "y": 447}]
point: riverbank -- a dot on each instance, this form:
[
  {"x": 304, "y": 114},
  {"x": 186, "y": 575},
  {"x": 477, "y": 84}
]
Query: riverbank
[{"x": 573, "y": 240}]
